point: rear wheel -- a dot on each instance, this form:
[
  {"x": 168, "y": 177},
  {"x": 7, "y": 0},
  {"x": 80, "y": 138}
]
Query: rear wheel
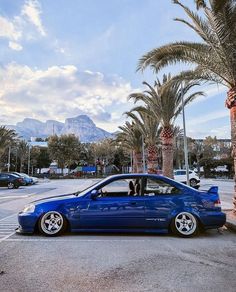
[
  {"x": 52, "y": 223},
  {"x": 10, "y": 185},
  {"x": 193, "y": 182},
  {"x": 185, "y": 224}
]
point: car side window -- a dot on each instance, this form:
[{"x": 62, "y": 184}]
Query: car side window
[
  {"x": 155, "y": 187},
  {"x": 120, "y": 188}
]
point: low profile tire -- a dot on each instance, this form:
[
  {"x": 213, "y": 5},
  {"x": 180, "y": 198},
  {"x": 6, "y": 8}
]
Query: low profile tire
[
  {"x": 193, "y": 182},
  {"x": 52, "y": 223},
  {"x": 10, "y": 185},
  {"x": 185, "y": 224}
]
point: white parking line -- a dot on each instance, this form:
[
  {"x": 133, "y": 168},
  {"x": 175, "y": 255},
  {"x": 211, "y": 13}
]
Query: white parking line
[
  {"x": 7, "y": 236},
  {"x": 8, "y": 217},
  {"x": 14, "y": 197},
  {"x": 76, "y": 239}
]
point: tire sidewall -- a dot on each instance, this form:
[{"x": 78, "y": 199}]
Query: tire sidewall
[
  {"x": 178, "y": 233},
  {"x": 61, "y": 231}
]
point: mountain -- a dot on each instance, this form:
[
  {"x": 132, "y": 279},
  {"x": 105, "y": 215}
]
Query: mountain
[{"x": 82, "y": 126}]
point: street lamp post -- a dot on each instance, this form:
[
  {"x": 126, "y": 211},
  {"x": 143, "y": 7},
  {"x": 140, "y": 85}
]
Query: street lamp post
[
  {"x": 9, "y": 159},
  {"x": 29, "y": 161},
  {"x": 185, "y": 138},
  {"x": 143, "y": 152}
]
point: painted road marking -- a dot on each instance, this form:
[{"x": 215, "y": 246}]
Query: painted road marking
[
  {"x": 15, "y": 197},
  {"x": 71, "y": 240},
  {"x": 6, "y": 236},
  {"x": 8, "y": 226}
]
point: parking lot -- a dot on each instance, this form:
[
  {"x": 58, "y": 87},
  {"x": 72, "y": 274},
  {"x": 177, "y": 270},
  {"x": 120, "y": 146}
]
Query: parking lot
[{"x": 110, "y": 262}]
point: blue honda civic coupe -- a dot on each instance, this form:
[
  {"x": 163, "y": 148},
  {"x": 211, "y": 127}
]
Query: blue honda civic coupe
[{"x": 127, "y": 202}]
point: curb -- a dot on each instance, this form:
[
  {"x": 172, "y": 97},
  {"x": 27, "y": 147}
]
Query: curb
[
  {"x": 230, "y": 220},
  {"x": 230, "y": 224}
]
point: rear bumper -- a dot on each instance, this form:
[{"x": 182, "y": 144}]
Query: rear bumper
[{"x": 212, "y": 220}]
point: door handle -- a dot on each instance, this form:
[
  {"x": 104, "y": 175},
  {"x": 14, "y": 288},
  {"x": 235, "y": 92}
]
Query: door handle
[{"x": 133, "y": 203}]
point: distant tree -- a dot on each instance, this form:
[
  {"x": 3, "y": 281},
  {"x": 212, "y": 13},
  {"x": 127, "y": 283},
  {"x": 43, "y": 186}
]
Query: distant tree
[
  {"x": 39, "y": 157},
  {"x": 130, "y": 138},
  {"x": 7, "y": 139},
  {"x": 65, "y": 149},
  {"x": 23, "y": 154},
  {"x": 39, "y": 140},
  {"x": 149, "y": 126}
]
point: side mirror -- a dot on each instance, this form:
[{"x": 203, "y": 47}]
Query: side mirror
[{"x": 94, "y": 194}]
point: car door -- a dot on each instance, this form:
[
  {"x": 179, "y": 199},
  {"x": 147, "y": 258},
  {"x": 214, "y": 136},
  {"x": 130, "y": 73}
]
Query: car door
[
  {"x": 161, "y": 198},
  {"x": 114, "y": 208},
  {"x": 3, "y": 180}
]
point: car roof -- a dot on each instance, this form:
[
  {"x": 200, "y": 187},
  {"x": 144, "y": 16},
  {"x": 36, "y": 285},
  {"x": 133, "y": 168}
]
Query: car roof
[
  {"x": 8, "y": 173},
  {"x": 136, "y": 175}
]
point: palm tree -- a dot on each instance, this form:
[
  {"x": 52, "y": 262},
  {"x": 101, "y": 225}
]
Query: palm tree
[
  {"x": 131, "y": 138},
  {"x": 164, "y": 101},
  {"x": 179, "y": 147},
  {"x": 7, "y": 138},
  {"x": 214, "y": 57},
  {"x": 149, "y": 126},
  {"x": 23, "y": 153}
]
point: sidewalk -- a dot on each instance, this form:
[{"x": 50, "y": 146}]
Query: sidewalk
[{"x": 230, "y": 220}]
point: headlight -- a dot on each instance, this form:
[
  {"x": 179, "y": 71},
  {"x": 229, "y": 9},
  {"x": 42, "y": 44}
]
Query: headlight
[{"x": 29, "y": 208}]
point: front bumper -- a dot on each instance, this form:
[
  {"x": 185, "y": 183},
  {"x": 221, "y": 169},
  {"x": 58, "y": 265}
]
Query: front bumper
[{"x": 27, "y": 222}]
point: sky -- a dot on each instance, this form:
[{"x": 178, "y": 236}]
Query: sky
[{"x": 63, "y": 58}]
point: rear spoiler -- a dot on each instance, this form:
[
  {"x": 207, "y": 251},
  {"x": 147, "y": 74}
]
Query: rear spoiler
[{"x": 213, "y": 190}]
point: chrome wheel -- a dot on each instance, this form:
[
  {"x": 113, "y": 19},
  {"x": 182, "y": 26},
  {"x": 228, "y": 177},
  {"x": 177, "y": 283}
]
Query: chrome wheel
[
  {"x": 10, "y": 185},
  {"x": 185, "y": 224},
  {"x": 51, "y": 223}
]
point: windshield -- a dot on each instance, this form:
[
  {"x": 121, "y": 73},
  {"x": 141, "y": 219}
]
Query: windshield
[{"x": 90, "y": 188}]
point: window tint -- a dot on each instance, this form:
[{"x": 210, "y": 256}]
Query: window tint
[
  {"x": 180, "y": 172},
  {"x": 156, "y": 187},
  {"x": 4, "y": 176}
]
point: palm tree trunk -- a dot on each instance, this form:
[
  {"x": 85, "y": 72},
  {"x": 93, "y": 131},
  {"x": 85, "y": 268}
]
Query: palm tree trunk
[
  {"x": 231, "y": 105},
  {"x": 233, "y": 141},
  {"x": 152, "y": 159},
  {"x": 137, "y": 162},
  {"x": 167, "y": 139}
]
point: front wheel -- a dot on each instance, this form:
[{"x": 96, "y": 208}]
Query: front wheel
[
  {"x": 52, "y": 223},
  {"x": 185, "y": 224}
]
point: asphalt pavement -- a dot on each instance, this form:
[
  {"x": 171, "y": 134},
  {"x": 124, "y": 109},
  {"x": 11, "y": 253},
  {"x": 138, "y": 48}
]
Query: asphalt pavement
[{"x": 114, "y": 262}]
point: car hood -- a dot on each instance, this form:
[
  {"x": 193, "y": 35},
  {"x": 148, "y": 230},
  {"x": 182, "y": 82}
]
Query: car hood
[{"x": 55, "y": 198}]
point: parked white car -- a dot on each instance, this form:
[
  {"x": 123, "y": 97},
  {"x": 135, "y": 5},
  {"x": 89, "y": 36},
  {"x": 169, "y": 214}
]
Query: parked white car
[{"x": 181, "y": 176}]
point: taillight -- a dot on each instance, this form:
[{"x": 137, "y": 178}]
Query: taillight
[{"x": 217, "y": 203}]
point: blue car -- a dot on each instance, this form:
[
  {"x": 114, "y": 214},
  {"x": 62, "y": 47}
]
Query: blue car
[{"x": 127, "y": 202}]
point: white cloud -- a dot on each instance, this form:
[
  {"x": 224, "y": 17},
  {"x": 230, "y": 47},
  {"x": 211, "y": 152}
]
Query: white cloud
[
  {"x": 9, "y": 29},
  {"x": 211, "y": 116},
  {"x": 22, "y": 27},
  {"x": 15, "y": 46},
  {"x": 61, "y": 92},
  {"x": 220, "y": 132},
  {"x": 32, "y": 11}
]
